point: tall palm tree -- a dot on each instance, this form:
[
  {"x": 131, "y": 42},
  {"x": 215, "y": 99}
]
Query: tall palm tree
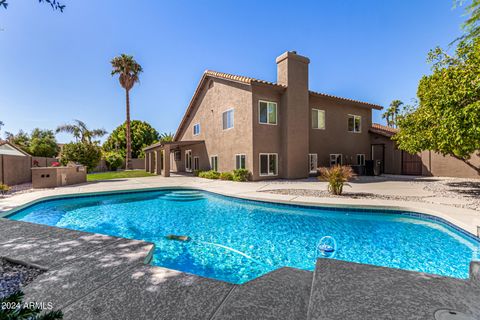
[
  {"x": 394, "y": 110},
  {"x": 80, "y": 131},
  {"x": 128, "y": 70}
]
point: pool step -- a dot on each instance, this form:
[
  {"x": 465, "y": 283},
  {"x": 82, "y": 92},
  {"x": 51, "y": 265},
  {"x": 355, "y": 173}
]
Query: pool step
[{"x": 184, "y": 195}]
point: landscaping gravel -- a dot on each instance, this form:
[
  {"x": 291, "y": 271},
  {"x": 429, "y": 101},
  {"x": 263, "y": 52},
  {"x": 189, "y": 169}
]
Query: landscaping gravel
[{"x": 13, "y": 276}]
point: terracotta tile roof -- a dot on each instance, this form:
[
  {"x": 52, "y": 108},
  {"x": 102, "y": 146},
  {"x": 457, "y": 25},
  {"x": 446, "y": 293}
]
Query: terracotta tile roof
[
  {"x": 238, "y": 78},
  {"x": 367, "y": 104},
  {"x": 383, "y": 130}
]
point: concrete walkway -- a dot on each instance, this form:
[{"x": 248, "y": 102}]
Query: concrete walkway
[{"x": 467, "y": 219}]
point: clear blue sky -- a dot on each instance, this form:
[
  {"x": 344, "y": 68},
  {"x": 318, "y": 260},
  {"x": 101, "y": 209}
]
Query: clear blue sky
[{"x": 55, "y": 67}]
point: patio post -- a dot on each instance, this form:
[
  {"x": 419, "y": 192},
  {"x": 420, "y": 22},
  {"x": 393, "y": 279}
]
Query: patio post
[
  {"x": 166, "y": 161},
  {"x": 158, "y": 161},
  {"x": 152, "y": 162},
  {"x": 147, "y": 161}
]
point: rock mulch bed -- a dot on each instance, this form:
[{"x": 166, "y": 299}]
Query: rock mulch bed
[{"x": 13, "y": 276}]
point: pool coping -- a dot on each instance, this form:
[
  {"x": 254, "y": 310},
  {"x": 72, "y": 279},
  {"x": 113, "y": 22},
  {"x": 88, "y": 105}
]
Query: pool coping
[{"x": 430, "y": 215}]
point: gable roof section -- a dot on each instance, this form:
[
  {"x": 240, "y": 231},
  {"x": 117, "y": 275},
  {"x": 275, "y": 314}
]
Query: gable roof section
[
  {"x": 7, "y": 148},
  {"x": 250, "y": 81},
  {"x": 383, "y": 130}
]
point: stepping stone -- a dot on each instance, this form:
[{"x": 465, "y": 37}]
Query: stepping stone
[
  {"x": 148, "y": 292},
  {"x": 277, "y": 295}
]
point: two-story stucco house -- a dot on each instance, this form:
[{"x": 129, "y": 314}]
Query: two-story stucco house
[{"x": 275, "y": 130}]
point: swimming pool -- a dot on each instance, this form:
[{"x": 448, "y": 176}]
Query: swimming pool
[{"x": 238, "y": 240}]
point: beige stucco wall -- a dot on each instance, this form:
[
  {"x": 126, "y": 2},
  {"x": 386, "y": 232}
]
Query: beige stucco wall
[
  {"x": 336, "y": 138},
  {"x": 435, "y": 164},
  {"x": 52, "y": 177},
  {"x": 393, "y": 156},
  {"x": 15, "y": 169},
  {"x": 216, "y": 97}
]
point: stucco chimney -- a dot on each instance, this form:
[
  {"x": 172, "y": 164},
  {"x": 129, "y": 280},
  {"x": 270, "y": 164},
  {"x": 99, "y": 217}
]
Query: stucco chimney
[{"x": 292, "y": 71}]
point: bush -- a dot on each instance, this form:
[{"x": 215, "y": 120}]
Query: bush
[
  {"x": 86, "y": 154},
  {"x": 114, "y": 160},
  {"x": 226, "y": 176},
  {"x": 336, "y": 176},
  {"x": 4, "y": 189},
  {"x": 54, "y": 164},
  {"x": 196, "y": 173},
  {"x": 241, "y": 175},
  {"x": 211, "y": 174}
]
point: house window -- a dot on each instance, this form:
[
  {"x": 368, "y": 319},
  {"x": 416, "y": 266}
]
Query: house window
[
  {"x": 214, "y": 163},
  {"x": 335, "y": 158},
  {"x": 312, "y": 162},
  {"x": 177, "y": 155},
  {"x": 196, "y": 163},
  {"x": 318, "y": 119},
  {"x": 360, "y": 159},
  {"x": 268, "y": 164},
  {"x": 267, "y": 112},
  {"x": 354, "y": 123},
  {"x": 196, "y": 129},
  {"x": 227, "y": 119},
  {"x": 240, "y": 161}
]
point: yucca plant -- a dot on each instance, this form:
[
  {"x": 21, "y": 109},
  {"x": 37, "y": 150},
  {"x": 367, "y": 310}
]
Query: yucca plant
[
  {"x": 13, "y": 308},
  {"x": 337, "y": 177}
]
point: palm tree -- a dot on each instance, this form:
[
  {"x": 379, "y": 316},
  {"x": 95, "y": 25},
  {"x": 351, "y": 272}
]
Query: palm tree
[
  {"x": 392, "y": 112},
  {"x": 166, "y": 137},
  {"x": 128, "y": 70},
  {"x": 80, "y": 131}
]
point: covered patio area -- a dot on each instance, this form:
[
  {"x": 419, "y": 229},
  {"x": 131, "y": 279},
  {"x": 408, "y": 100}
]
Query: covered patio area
[{"x": 177, "y": 156}]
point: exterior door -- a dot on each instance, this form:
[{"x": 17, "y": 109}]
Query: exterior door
[
  {"x": 188, "y": 160},
  {"x": 378, "y": 154},
  {"x": 196, "y": 163},
  {"x": 411, "y": 164}
]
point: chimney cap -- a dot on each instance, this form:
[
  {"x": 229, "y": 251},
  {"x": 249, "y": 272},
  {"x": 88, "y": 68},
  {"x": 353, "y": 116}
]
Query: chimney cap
[{"x": 292, "y": 55}]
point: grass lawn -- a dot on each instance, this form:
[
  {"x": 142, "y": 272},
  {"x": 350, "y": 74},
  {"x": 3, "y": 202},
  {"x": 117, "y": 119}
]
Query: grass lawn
[{"x": 118, "y": 175}]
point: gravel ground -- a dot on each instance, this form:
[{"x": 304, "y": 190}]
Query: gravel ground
[
  {"x": 13, "y": 276},
  {"x": 19, "y": 189},
  {"x": 466, "y": 190}
]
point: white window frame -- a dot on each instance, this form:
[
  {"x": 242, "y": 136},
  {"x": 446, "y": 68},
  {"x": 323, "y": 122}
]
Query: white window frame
[
  {"x": 211, "y": 162},
  {"x": 196, "y": 163},
  {"x": 259, "y": 113},
  {"x": 233, "y": 119},
  {"x": 245, "y": 160},
  {"x": 314, "y": 155},
  {"x": 336, "y": 156},
  {"x": 186, "y": 160},
  {"x": 269, "y": 174},
  {"x": 355, "y": 116},
  {"x": 324, "y": 118},
  {"x": 194, "y": 126},
  {"x": 362, "y": 162}
]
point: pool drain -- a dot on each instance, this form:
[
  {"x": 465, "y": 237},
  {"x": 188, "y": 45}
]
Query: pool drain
[{"x": 449, "y": 314}]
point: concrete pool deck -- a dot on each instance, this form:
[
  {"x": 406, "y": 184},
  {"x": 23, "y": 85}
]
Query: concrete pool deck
[{"x": 91, "y": 276}]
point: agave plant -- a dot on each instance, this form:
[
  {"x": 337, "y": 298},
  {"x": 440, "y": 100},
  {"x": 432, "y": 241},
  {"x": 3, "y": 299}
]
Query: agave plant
[{"x": 337, "y": 177}]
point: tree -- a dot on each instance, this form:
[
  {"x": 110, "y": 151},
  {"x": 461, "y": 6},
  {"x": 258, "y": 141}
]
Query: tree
[
  {"x": 471, "y": 26},
  {"x": 80, "y": 131},
  {"x": 1, "y": 125},
  {"x": 43, "y": 143},
  {"x": 166, "y": 137},
  {"x": 391, "y": 114},
  {"x": 143, "y": 135},
  {"x": 87, "y": 154},
  {"x": 447, "y": 119},
  {"x": 128, "y": 70},
  {"x": 55, "y": 4},
  {"x": 21, "y": 140}
]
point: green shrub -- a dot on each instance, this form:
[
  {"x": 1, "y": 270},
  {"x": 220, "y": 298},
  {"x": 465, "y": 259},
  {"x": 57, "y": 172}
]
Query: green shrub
[
  {"x": 86, "y": 154},
  {"x": 211, "y": 174},
  {"x": 114, "y": 160},
  {"x": 241, "y": 175},
  {"x": 336, "y": 176},
  {"x": 196, "y": 173},
  {"x": 226, "y": 176},
  {"x": 4, "y": 189}
]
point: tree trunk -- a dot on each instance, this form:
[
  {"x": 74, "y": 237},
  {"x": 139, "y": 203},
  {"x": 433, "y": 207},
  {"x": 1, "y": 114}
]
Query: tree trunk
[{"x": 128, "y": 155}]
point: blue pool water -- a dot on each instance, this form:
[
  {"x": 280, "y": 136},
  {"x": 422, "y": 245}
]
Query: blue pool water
[{"x": 263, "y": 236}]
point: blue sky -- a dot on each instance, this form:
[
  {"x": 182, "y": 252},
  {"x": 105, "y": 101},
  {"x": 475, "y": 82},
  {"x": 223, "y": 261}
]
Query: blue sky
[{"x": 54, "y": 67}]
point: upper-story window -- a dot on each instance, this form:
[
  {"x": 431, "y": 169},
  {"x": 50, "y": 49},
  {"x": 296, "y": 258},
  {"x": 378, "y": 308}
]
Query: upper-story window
[
  {"x": 354, "y": 123},
  {"x": 318, "y": 119},
  {"x": 267, "y": 112},
  {"x": 227, "y": 119},
  {"x": 196, "y": 129}
]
